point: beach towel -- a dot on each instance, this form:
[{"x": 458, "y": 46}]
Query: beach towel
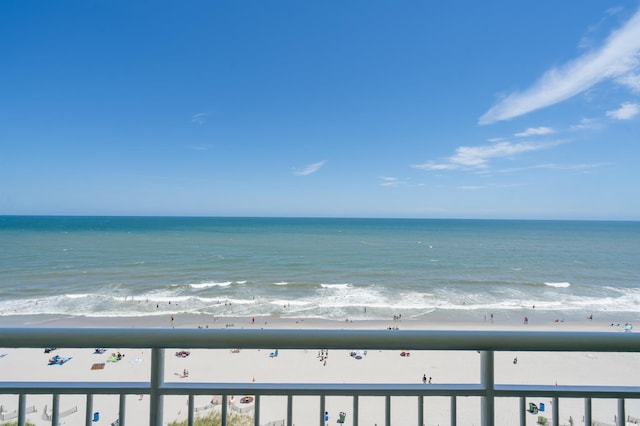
[
  {"x": 97, "y": 366},
  {"x": 59, "y": 360}
]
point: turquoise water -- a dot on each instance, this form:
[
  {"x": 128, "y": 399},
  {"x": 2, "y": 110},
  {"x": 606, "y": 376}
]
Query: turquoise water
[{"x": 317, "y": 268}]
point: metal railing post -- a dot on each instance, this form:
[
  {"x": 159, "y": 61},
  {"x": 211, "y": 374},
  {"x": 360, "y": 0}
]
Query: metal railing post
[
  {"x": 487, "y": 381},
  {"x": 421, "y": 410},
  {"x": 587, "y": 411},
  {"x": 523, "y": 411},
  {"x": 157, "y": 380},
  {"x": 22, "y": 408},
  {"x": 621, "y": 413},
  {"x": 323, "y": 409},
  {"x": 555, "y": 410},
  {"x": 387, "y": 404},
  {"x": 123, "y": 408},
  {"x": 454, "y": 411},
  {"x": 290, "y": 410},
  {"x": 88, "y": 415},
  {"x": 225, "y": 403},
  {"x": 55, "y": 409},
  {"x": 190, "y": 414},
  {"x": 356, "y": 408}
]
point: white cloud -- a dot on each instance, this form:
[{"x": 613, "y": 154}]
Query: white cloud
[
  {"x": 390, "y": 181},
  {"x": 535, "y": 131},
  {"x": 626, "y": 111},
  {"x": 631, "y": 81},
  {"x": 617, "y": 59},
  {"x": 583, "y": 167},
  {"x": 585, "y": 123},
  {"x": 199, "y": 118},
  {"x": 478, "y": 156},
  {"x": 432, "y": 165},
  {"x": 310, "y": 168},
  {"x": 469, "y": 157},
  {"x": 489, "y": 186}
]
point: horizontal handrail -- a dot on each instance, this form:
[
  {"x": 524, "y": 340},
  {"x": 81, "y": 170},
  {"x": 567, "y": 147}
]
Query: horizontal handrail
[
  {"x": 486, "y": 342},
  {"x": 544, "y": 341},
  {"x": 333, "y": 389}
]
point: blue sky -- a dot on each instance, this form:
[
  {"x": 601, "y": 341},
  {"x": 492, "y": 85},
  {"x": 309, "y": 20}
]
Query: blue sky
[{"x": 467, "y": 109}]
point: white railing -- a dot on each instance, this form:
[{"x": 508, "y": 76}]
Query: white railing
[{"x": 486, "y": 342}]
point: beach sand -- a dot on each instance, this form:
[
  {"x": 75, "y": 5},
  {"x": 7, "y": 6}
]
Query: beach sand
[{"x": 249, "y": 365}]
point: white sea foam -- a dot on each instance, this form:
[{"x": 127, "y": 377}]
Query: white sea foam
[
  {"x": 168, "y": 298},
  {"x": 281, "y": 302},
  {"x": 281, "y": 283},
  {"x": 558, "y": 285},
  {"x": 337, "y": 286},
  {"x": 347, "y": 302},
  {"x": 210, "y": 284},
  {"x": 241, "y": 301},
  {"x": 77, "y": 296}
]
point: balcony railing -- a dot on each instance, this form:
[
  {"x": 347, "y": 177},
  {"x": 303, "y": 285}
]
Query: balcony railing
[{"x": 487, "y": 343}]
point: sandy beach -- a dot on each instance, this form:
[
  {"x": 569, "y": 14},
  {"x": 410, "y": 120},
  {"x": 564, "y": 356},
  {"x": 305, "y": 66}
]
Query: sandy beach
[{"x": 338, "y": 366}]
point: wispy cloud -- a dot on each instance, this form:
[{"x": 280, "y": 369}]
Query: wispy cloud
[
  {"x": 309, "y": 168},
  {"x": 582, "y": 167},
  {"x": 470, "y": 157},
  {"x": 535, "y": 131},
  {"x": 390, "y": 181},
  {"x": 618, "y": 59},
  {"x": 585, "y": 123},
  {"x": 626, "y": 111},
  {"x": 199, "y": 118},
  {"x": 491, "y": 186},
  {"x": 201, "y": 147},
  {"x": 630, "y": 81}
]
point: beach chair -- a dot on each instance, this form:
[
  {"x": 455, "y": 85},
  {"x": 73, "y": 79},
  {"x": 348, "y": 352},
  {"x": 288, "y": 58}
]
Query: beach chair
[
  {"x": 273, "y": 354},
  {"x": 533, "y": 408},
  {"x": 342, "y": 417}
]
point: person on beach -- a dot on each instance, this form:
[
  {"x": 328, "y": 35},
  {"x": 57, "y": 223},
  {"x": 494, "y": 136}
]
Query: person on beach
[{"x": 424, "y": 379}]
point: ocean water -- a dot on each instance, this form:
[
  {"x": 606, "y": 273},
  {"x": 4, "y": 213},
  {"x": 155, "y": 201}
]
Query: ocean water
[{"x": 318, "y": 268}]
